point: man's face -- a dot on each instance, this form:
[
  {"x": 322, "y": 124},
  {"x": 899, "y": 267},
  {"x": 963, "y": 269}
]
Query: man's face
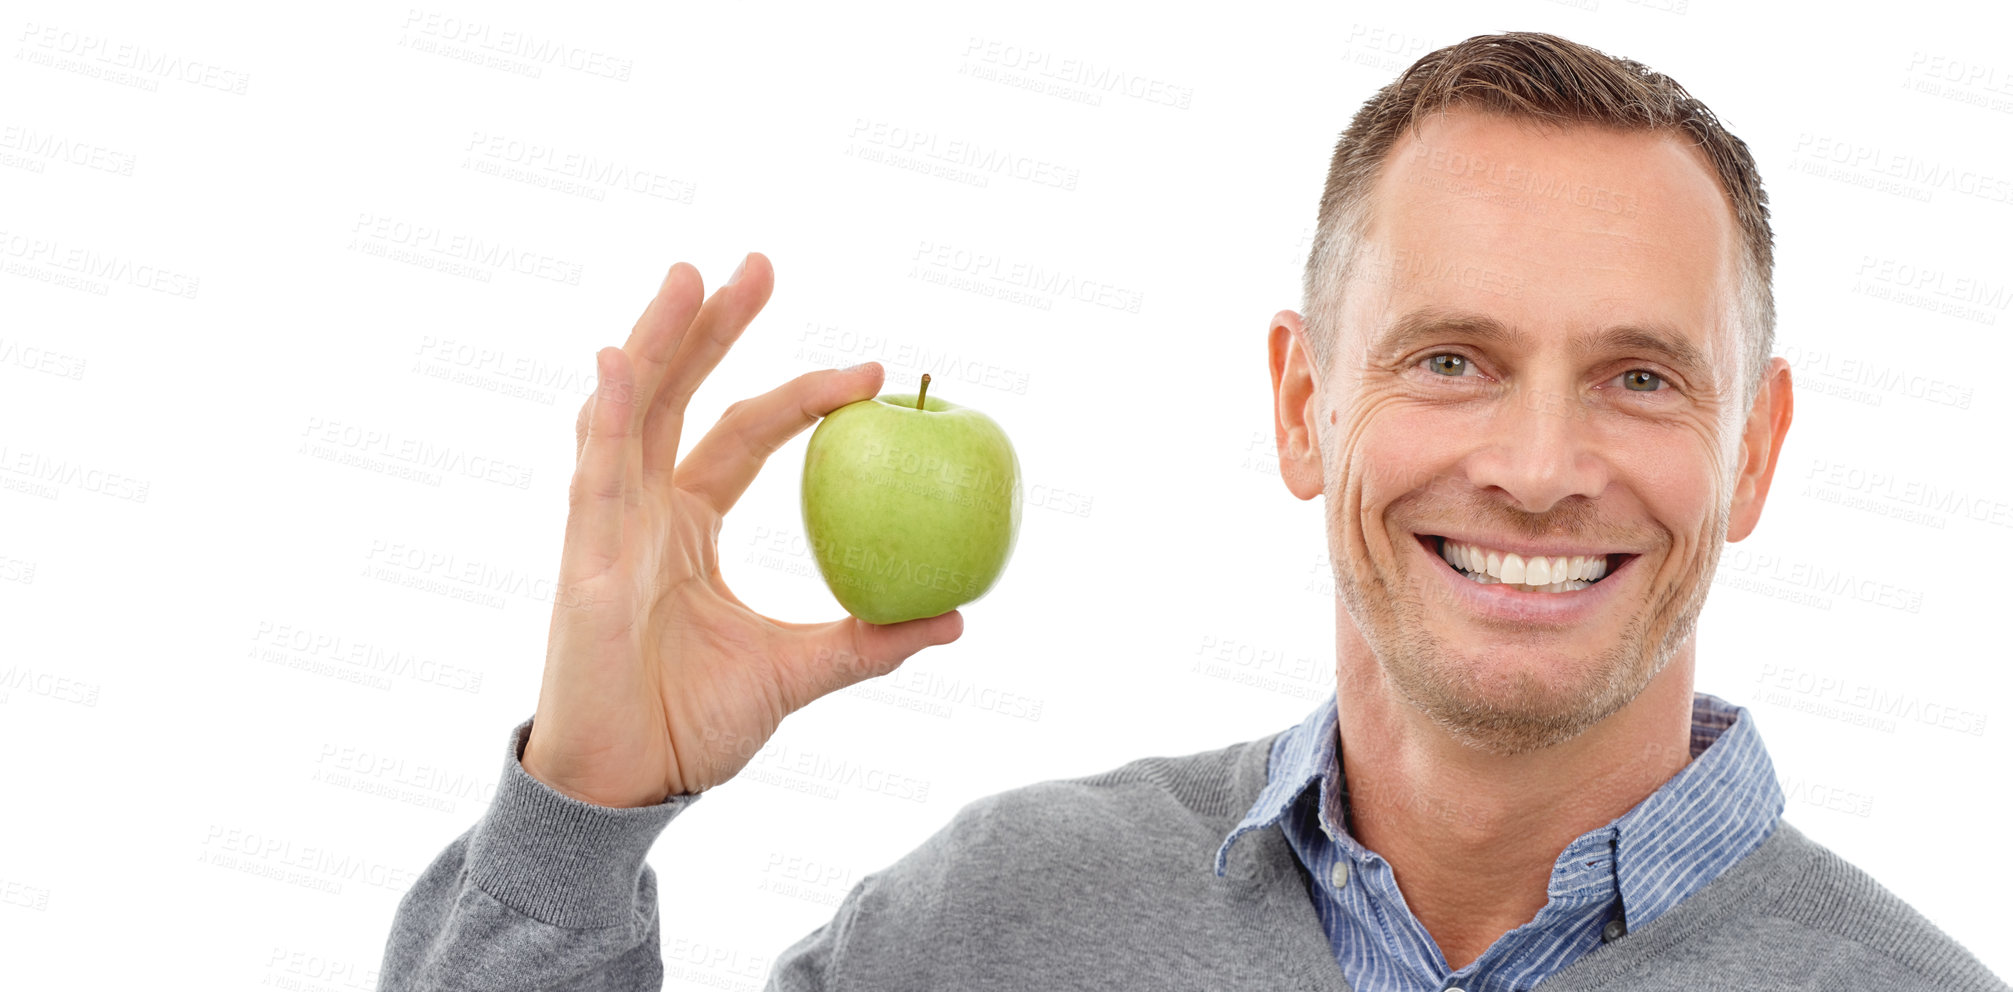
[{"x": 1539, "y": 354}]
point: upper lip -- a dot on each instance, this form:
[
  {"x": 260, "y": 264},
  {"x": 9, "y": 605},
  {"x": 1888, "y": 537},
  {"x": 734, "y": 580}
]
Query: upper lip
[{"x": 1524, "y": 549}]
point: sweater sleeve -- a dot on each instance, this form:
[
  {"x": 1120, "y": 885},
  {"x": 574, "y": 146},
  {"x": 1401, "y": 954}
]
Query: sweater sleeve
[{"x": 543, "y": 892}]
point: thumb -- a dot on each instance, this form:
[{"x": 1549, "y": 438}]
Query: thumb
[
  {"x": 853, "y": 650},
  {"x": 897, "y": 641}
]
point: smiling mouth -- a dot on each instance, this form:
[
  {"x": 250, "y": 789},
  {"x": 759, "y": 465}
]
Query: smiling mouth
[{"x": 1535, "y": 573}]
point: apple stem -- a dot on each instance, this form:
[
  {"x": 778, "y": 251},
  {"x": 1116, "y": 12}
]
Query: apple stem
[{"x": 925, "y": 388}]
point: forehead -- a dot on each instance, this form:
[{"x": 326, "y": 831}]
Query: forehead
[{"x": 1551, "y": 231}]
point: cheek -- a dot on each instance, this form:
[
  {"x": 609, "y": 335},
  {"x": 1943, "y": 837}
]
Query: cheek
[
  {"x": 1392, "y": 447},
  {"x": 1679, "y": 485}
]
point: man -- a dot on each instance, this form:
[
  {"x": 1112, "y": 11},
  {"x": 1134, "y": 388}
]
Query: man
[{"x": 1533, "y": 384}]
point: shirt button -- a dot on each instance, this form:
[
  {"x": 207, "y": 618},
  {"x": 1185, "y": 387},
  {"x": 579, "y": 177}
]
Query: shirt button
[
  {"x": 1339, "y": 874},
  {"x": 1613, "y": 931}
]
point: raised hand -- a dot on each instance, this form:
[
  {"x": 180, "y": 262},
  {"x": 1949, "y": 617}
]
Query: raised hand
[{"x": 658, "y": 679}]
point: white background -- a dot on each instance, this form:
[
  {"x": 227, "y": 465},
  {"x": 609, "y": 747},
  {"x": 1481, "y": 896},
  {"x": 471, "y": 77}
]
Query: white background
[{"x": 205, "y": 681}]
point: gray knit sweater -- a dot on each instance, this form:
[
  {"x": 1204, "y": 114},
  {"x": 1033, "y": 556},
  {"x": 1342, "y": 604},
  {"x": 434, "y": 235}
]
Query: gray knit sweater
[{"x": 1103, "y": 882}]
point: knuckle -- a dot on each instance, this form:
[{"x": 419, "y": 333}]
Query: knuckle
[
  {"x": 587, "y": 487},
  {"x": 812, "y": 384}
]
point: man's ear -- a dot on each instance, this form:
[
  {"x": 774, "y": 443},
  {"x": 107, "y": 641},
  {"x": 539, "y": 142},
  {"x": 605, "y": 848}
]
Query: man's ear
[
  {"x": 1295, "y": 405},
  {"x": 1760, "y": 443}
]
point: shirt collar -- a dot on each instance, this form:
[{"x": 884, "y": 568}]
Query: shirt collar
[
  {"x": 1706, "y": 817},
  {"x": 1299, "y": 757},
  {"x": 1716, "y": 809}
]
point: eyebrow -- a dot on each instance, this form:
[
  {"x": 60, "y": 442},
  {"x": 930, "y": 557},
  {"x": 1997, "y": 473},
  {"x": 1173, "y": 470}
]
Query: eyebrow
[{"x": 1426, "y": 323}]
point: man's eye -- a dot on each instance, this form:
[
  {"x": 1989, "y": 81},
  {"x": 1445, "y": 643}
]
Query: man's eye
[
  {"x": 1641, "y": 381},
  {"x": 1448, "y": 364}
]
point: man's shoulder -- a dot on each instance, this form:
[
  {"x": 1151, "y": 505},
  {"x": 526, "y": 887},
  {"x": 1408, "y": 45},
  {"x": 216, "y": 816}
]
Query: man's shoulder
[
  {"x": 1041, "y": 885},
  {"x": 1164, "y": 808},
  {"x": 1207, "y": 790},
  {"x": 1822, "y": 902}
]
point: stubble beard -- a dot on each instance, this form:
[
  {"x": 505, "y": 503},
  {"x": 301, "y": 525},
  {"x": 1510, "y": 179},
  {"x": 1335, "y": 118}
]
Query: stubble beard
[{"x": 1519, "y": 712}]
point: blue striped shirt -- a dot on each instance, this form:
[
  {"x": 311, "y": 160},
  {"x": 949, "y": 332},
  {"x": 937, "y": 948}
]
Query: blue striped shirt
[{"x": 1613, "y": 878}]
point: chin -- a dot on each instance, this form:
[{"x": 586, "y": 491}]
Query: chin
[
  {"x": 1498, "y": 678},
  {"x": 1514, "y": 699}
]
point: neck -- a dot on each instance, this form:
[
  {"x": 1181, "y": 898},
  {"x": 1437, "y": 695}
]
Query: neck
[{"x": 1471, "y": 835}]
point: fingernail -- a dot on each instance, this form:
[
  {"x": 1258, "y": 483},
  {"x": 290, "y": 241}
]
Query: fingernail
[{"x": 736, "y": 277}]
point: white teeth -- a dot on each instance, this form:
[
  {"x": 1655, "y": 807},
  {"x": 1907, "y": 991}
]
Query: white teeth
[
  {"x": 1568, "y": 585},
  {"x": 1542, "y": 573},
  {"x": 1538, "y": 571}
]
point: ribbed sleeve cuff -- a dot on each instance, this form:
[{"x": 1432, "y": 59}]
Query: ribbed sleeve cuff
[{"x": 557, "y": 859}]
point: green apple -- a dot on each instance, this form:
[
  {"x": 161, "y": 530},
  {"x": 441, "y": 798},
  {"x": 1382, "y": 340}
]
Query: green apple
[{"x": 911, "y": 504}]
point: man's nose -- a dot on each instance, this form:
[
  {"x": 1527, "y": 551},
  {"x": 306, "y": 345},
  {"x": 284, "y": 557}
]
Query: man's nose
[{"x": 1541, "y": 446}]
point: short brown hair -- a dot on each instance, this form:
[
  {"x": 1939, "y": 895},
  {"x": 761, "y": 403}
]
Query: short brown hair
[{"x": 1545, "y": 78}]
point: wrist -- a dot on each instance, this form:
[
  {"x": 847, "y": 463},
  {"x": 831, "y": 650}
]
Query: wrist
[{"x": 558, "y": 782}]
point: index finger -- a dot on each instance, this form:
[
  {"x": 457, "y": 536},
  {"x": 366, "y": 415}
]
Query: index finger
[{"x": 725, "y": 461}]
